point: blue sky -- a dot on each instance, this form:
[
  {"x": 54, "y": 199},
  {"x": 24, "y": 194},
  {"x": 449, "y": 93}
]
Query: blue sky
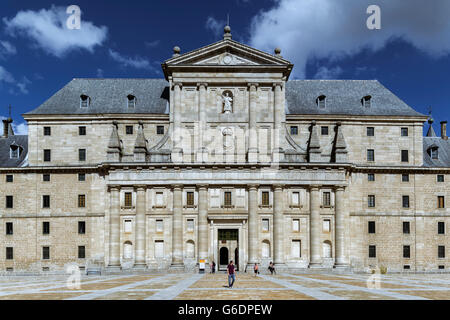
[{"x": 323, "y": 38}]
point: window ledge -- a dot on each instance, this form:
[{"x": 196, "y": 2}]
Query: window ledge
[
  {"x": 127, "y": 208},
  {"x": 159, "y": 207},
  {"x": 190, "y": 206},
  {"x": 329, "y": 207},
  {"x": 295, "y": 206},
  {"x": 227, "y": 207},
  {"x": 265, "y": 206}
]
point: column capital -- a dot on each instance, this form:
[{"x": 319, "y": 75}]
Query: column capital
[
  {"x": 202, "y": 84},
  {"x": 277, "y": 84},
  {"x": 314, "y": 188},
  {"x": 278, "y": 187},
  {"x": 177, "y": 84},
  {"x": 252, "y": 186},
  {"x": 253, "y": 85},
  {"x": 340, "y": 188},
  {"x": 140, "y": 187},
  {"x": 114, "y": 187},
  {"x": 202, "y": 186},
  {"x": 177, "y": 187}
]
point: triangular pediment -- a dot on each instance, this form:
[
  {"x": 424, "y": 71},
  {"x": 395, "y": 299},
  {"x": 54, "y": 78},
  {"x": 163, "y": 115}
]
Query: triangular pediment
[{"x": 227, "y": 53}]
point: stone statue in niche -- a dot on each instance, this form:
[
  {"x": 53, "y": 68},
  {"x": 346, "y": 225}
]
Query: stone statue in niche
[{"x": 227, "y": 99}]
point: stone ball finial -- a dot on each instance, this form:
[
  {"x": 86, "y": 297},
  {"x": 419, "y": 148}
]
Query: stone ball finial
[
  {"x": 430, "y": 120},
  {"x": 227, "y": 29},
  {"x": 277, "y": 51},
  {"x": 176, "y": 50}
]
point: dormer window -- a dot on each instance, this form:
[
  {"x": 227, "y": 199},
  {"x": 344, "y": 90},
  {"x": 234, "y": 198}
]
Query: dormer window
[
  {"x": 433, "y": 152},
  {"x": 366, "y": 101},
  {"x": 321, "y": 101},
  {"x": 131, "y": 101},
  {"x": 85, "y": 101},
  {"x": 14, "y": 152}
]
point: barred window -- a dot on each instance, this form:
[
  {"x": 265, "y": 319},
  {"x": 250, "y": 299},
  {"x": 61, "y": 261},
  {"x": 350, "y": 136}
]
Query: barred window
[
  {"x": 128, "y": 199},
  {"x": 82, "y": 154},
  {"x": 81, "y": 252},
  {"x": 294, "y": 130},
  {"x": 372, "y": 251},
  {"x": 265, "y": 198},
  {"x": 440, "y": 178},
  {"x": 404, "y": 155},
  {"x": 9, "y": 228},
  {"x": 324, "y": 130},
  {"x": 441, "y": 202},
  {"x": 81, "y": 201},
  {"x": 370, "y": 131},
  {"x": 405, "y": 177},
  {"x": 9, "y": 202},
  {"x": 45, "y": 227},
  {"x": 81, "y": 177},
  {"x": 404, "y": 132},
  {"x": 406, "y": 227},
  {"x": 406, "y": 252},
  {"x": 371, "y": 226},
  {"x": 46, "y": 177},
  {"x": 371, "y": 201},
  {"x": 82, "y": 131},
  {"x": 46, "y": 201},
  {"x": 45, "y": 253},
  {"x": 326, "y": 199},
  {"x": 190, "y": 198},
  {"x": 441, "y": 227},
  {"x": 441, "y": 251},
  {"x": 129, "y": 129},
  {"x": 47, "y": 155},
  {"x": 159, "y": 129},
  {"x": 371, "y": 177},
  {"x": 227, "y": 198},
  {"x": 9, "y": 253},
  {"x": 9, "y": 178},
  {"x": 370, "y": 155},
  {"x": 81, "y": 227},
  {"x": 47, "y": 131},
  {"x": 405, "y": 201}
]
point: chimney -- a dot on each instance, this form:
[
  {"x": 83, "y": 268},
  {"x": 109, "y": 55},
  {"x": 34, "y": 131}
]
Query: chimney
[
  {"x": 444, "y": 130},
  {"x": 6, "y": 125}
]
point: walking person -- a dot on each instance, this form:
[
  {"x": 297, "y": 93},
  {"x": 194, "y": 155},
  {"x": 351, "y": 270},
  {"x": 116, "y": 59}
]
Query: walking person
[
  {"x": 256, "y": 269},
  {"x": 213, "y": 267},
  {"x": 272, "y": 268},
  {"x": 231, "y": 274}
]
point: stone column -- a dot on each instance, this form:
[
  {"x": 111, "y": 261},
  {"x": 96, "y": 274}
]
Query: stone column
[
  {"x": 314, "y": 229},
  {"x": 278, "y": 225},
  {"x": 278, "y": 111},
  {"x": 202, "y": 152},
  {"x": 177, "y": 228},
  {"x": 202, "y": 222},
  {"x": 176, "y": 130},
  {"x": 253, "y": 136},
  {"x": 252, "y": 225},
  {"x": 114, "y": 229},
  {"x": 341, "y": 225},
  {"x": 139, "y": 261}
]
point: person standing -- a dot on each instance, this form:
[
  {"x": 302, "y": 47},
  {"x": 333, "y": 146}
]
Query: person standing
[
  {"x": 256, "y": 269},
  {"x": 213, "y": 267},
  {"x": 272, "y": 268},
  {"x": 231, "y": 274}
]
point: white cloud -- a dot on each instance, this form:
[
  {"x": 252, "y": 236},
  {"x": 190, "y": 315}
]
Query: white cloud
[
  {"x": 22, "y": 85},
  {"x": 8, "y": 78},
  {"x": 48, "y": 30},
  {"x": 136, "y": 62},
  {"x": 326, "y": 73},
  {"x": 215, "y": 26},
  {"x": 306, "y": 29},
  {"x": 6, "y": 49},
  {"x": 5, "y": 76}
]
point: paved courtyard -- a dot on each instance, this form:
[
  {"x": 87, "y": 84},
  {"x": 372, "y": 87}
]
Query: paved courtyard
[{"x": 214, "y": 286}]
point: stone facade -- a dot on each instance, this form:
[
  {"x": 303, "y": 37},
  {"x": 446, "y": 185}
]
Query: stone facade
[{"x": 230, "y": 171}]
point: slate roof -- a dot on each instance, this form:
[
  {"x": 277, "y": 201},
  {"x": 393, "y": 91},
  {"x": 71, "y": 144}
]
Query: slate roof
[
  {"x": 5, "y": 143},
  {"x": 110, "y": 96},
  {"x": 343, "y": 97},
  {"x": 443, "y": 152}
]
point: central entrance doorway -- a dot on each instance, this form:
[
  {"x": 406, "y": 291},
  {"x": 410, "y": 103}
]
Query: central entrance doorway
[{"x": 228, "y": 245}]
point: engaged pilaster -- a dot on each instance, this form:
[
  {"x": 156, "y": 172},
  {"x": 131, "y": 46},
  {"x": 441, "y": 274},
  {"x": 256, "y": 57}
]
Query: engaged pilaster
[
  {"x": 177, "y": 228},
  {"x": 278, "y": 112},
  {"x": 314, "y": 229},
  {"x": 177, "y": 130},
  {"x": 278, "y": 228},
  {"x": 253, "y": 136},
  {"x": 140, "y": 228},
  {"x": 202, "y": 152},
  {"x": 202, "y": 222},
  {"x": 252, "y": 225},
  {"x": 342, "y": 217},
  {"x": 114, "y": 229}
]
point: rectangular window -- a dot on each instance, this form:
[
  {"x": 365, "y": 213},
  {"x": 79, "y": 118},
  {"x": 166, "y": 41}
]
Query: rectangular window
[
  {"x": 227, "y": 199},
  {"x": 129, "y": 129},
  {"x": 295, "y": 198},
  {"x": 81, "y": 154},
  {"x": 81, "y": 252},
  {"x": 190, "y": 225},
  {"x": 324, "y": 131},
  {"x": 406, "y": 227},
  {"x": 296, "y": 225},
  {"x": 159, "y": 199},
  {"x": 159, "y": 129},
  {"x": 371, "y": 226},
  {"x": 81, "y": 201},
  {"x": 47, "y": 155},
  {"x": 159, "y": 226},
  {"x": 81, "y": 227},
  {"x": 46, "y": 201},
  {"x": 45, "y": 253},
  {"x": 406, "y": 252},
  {"x": 404, "y": 132},
  {"x": 9, "y": 228},
  {"x": 370, "y": 155},
  {"x": 45, "y": 227},
  {"x": 441, "y": 202},
  {"x": 441, "y": 251},
  {"x": 372, "y": 251},
  {"x": 441, "y": 267},
  {"x": 46, "y": 177},
  {"x": 9, "y": 178},
  {"x": 405, "y": 201},
  {"x": 371, "y": 201},
  {"x": 326, "y": 225},
  {"x": 294, "y": 130},
  {"x": 265, "y": 224},
  {"x": 9, "y": 253},
  {"x": 404, "y": 155},
  {"x": 159, "y": 249},
  {"x": 441, "y": 227},
  {"x": 265, "y": 198},
  {"x": 370, "y": 177},
  {"x": 190, "y": 198},
  {"x": 296, "y": 249},
  {"x": 407, "y": 267},
  {"x": 9, "y": 202},
  {"x": 47, "y": 131},
  {"x": 405, "y": 177},
  {"x": 81, "y": 177},
  {"x": 128, "y": 199},
  {"x": 440, "y": 178},
  {"x": 370, "y": 131},
  {"x": 326, "y": 199},
  {"x": 128, "y": 227},
  {"x": 82, "y": 131}
]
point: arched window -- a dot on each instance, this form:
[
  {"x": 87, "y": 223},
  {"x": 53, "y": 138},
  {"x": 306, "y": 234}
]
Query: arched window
[
  {"x": 85, "y": 101},
  {"x": 131, "y": 101},
  {"x": 190, "y": 249},
  {"x": 365, "y": 101},
  {"x": 127, "y": 250},
  {"x": 265, "y": 249},
  {"x": 321, "y": 101},
  {"x": 326, "y": 249}
]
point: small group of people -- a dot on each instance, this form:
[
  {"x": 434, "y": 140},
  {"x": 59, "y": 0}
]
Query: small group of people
[{"x": 271, "y": 268}]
